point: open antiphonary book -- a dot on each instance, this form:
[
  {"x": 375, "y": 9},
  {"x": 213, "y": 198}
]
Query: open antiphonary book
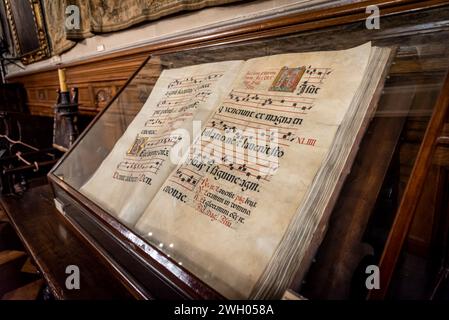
[{"x": 232, "y": 168}]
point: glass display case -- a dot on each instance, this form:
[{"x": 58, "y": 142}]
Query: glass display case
[{"x": 378, "y": 199}]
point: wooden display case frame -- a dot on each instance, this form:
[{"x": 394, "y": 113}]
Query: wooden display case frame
[{"x": 150, "y": 274}]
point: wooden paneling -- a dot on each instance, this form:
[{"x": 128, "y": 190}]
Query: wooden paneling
[{"x": 97, "y": 82}]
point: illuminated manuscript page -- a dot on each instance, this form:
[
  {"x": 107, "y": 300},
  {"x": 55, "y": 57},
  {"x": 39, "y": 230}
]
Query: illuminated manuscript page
[
  {"x": 139, "y": 163},
  {"x": 222, "y": 218}
]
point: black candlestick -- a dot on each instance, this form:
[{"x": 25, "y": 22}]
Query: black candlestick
[{"x": 66, "y": 117}]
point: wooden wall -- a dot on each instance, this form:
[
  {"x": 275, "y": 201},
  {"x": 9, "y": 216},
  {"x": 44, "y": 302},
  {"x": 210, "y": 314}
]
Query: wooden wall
[{"x": 97, "y": 80}]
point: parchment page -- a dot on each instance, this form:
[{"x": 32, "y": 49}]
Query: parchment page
[
  {"x": 140, "y": 162},
  {"x": 223, "y": 213}
]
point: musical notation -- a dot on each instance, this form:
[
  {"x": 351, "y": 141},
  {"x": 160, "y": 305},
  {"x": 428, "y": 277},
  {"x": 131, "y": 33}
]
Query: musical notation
[
  {"x": 166, "y": 121},
  {"x": 151, "y": 165},
  {"x": 222, "y": 125},
  {"x": 194, "y": 80},
  {"x": 315, "y": 75},
  {"x": 264, "y": 100},
  {"x": 176, "y": 107},
  {"x": 289, "y": 136},
  {"x": 270, "y": 137},
  {"x": 195, "y": 97},
  {"x": 235, "y": 125},
  {"x": 258, "y": 171},
  {"x": 186, "y": 178},
  {"x": 154, "y": 122},
  {"x": 283, "y": 104}
]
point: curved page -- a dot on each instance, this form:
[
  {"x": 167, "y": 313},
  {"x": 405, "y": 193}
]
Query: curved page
[
  {"x": 140, "y": 161},
  {"x": 224, "y": 212}
]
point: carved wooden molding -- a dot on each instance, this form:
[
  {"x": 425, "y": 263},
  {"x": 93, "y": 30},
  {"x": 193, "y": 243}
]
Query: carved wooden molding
[{"x": 108, "y": 75}]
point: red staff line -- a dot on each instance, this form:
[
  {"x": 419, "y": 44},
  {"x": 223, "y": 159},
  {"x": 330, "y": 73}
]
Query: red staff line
[
  {"x": 181, "y": 95},
  {"x": 167, "y": 114},
  {"x": 272, "y": 97},
  {"x": 153, "y": 125},
  {"x": 141, "y": 170},
  {"x": 239, "y": 153},
  {"x": 252, "y": 121},
  {"x": 280, "y": 143},
  {"x": 183, "y": 116},
  {"x": 147, "y": 160},
  {"x": 164, "y": 121},
  {"x": 172, "y": 180},
  {"x": 192, "y": 80},
  {"x": 261, "y": 177},
  {"x": 155, "y": 138},
  {"x": 264, "y": 108},
  {"x": 152, "y": 147},
  {"x": 204, "y": 75},
  {"x": 181, "y": 102},
  {"x": 240, "y": 124},
  {"x": 262, "y": 101},
  {"x": 193, "y": 172},
  {"x": 261, "y": 165},
  {"x": 268, "y": 95},
  {"x": 168, "y": 117},
  {"x": 160, "y": 145},
  {"x": 243, "y": 159},
  {"x": 192, "y": 84},
  {"x": 175, "y": 103},
  {"x": 176, "y": 98}
]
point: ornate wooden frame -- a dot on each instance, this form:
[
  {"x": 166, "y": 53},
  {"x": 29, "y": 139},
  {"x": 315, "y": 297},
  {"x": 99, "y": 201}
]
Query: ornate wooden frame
[{"x": 43, "y": 50}]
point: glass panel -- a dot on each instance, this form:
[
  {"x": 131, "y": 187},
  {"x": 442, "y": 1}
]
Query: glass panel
[
  {"x": 83, "y": 160},
  {"x": 373, "y": 190}
]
